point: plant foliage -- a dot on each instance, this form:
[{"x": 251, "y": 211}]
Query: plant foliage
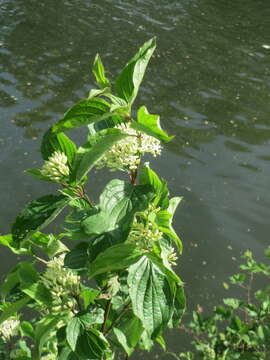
[
  {"x": 239, "y": 329},
  {"x": 125, "y": 243}
]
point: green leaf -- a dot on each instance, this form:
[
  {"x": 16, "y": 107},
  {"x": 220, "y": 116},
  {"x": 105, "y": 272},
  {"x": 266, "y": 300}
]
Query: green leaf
[
  {"x": 164, "y": 221},
  {"x": 48, "y": 243},
  {"x": 117, "y": 257},
  {"x": 91, "y": 152},
  {"x": 95, "y": 316},
  {"x": 36, "y": 215},
  {"x": 129, "y": 80},
  {"x": 30, "y": 285},
  {"x": 7, "y": 240},
  {"x": 37, "y": 174},
  {"x": 44, "y": 328},
  {"x": 91, "y": 345},
  {"x": 99, "y": 73},
  {"x": 118, "y": 204},
  {"x": 149, "y": 177},
  {"x": 74, "y": 329},
  {"x": 78, "y": 258},
  {"x": 67, "y": 354},
  {"x": 27, "y": 273},
  {"x": 108, "y": 123},
  {"x": 52, "y": 142},
  {"x": 179, "y": 306},
  {"x": 9, "y": 283},
  {"x": 38, "y": 292},
  {"x": 98, "y": 92},
  {"x": 83, "y": 113},
  {"x": 128, "y": 332},
  {"x": 13, "y": 308},
  {"x": 27, "y": 329},
  {"x": 88, "y": 295},
  {"x": 150, "y": 125},
  {"x": 151, "y": 297},
  {"x": 231, "y": 302}
]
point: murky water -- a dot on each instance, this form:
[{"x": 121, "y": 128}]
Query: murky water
[{"x": 210, "y": 82}]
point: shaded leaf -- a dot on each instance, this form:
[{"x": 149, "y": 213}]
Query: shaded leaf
[
  {"x": 73, "y": 331},
  {"x": 78, "y": 258},
  {"x": 148, "y": 177},
  {"x": 42, "y": 331},
  {"x": 117, "y": 257},
  {"x": 91, "y": 345},
  {"x": 52, "y": 142},
  {"x": 91, "y": 152},
  {"x": 128, "y": 331},
  {"x": 36, "y": 215},
  {"x": 37, "y": 174},
  {"x": 13, "y": 308}
]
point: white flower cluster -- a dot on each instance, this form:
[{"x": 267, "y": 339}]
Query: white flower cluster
[
  {"x": 56, "y": 167},
  {"x": 172, "y": 257},
  {"x": 125, "y": 155},
  {"x": 144, "y": 231},
  {"x": 61, "y": 282},
  {"x": 9, "y": 328},
  {"x": 140, "y": 234}
]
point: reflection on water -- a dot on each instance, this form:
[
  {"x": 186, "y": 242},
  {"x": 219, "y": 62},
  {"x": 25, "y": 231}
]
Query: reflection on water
[{"x": 209, "y": 80}]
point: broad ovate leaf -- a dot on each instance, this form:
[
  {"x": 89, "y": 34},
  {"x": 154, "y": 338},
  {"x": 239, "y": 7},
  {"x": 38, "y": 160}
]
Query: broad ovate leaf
[
  {"x": 119, "y": 202},
  {"x": 73, "y": 331},
  {"x": 91, "y": 345},
  {"x": 150, "y": 293}
]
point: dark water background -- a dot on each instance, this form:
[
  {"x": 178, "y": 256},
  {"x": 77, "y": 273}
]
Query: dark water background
[{"x": 210, "y": 82}]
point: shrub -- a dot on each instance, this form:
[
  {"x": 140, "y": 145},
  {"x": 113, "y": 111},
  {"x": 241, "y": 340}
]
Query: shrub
[{"x": 125, "y": 243}]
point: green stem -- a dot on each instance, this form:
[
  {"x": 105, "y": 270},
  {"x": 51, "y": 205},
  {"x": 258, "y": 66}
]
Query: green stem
[
  {"x": 126, "y": 307},
  {"x": 106, "y": 315}
]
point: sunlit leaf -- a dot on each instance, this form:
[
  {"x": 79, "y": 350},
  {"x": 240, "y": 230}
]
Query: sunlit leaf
[{"x": 129, "y": 80}]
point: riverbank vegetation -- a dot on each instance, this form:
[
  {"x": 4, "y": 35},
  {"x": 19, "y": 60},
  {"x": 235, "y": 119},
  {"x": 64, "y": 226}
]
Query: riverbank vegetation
[{"x": 105, "y": 283}]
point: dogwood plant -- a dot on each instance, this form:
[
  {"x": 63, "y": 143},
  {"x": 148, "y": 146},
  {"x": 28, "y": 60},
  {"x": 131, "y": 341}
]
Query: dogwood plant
[{"x": 105, "y": 283}]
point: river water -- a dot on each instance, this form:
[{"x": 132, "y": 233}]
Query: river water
[{"x": 210, "y": 82}]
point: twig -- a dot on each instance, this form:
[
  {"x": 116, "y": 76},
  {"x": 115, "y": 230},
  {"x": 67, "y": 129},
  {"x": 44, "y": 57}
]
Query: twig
[
  {"x": 126, "y": 307},
  {"x": 249, "y": 288},
  {"x": 106, "y": 315}
]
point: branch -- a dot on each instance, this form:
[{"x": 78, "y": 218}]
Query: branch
[{"x": 106, "y": 315}]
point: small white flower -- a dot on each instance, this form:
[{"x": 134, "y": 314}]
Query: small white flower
[
  {"x": 143, "y": 231},
  {"x": 61, "y": 282},
  {"x": 56, "y": 167},
  {"x": 126, "y": 154},
  {"x": 9, "y": 328}
]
